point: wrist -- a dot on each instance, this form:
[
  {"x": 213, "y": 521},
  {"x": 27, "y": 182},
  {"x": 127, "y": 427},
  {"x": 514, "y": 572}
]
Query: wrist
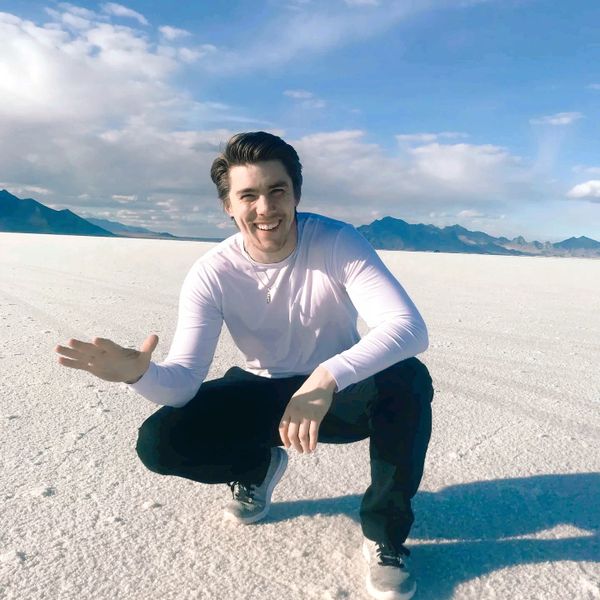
[
  {"x": 325, "y": 379},
  {"x": 136, "y": 377}
]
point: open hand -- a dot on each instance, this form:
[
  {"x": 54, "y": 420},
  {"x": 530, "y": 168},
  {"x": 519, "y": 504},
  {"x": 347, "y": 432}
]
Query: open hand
[
  {"x": 299, "y": 426},
  {"x": 107, "y": 360}
]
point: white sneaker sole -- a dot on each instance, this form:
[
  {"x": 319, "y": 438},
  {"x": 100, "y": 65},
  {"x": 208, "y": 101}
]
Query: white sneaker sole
[{"x": 281, "y": 467}]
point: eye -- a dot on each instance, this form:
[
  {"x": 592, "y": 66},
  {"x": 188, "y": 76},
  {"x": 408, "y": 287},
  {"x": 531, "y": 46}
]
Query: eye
[{"x": 278, "y": 191}]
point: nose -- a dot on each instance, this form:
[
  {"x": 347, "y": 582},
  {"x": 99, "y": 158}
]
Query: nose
[{"x": 264, "y": 205}]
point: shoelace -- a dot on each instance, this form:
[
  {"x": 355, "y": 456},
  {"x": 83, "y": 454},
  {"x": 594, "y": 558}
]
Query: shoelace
[
  {"x": 241, "y": 492},
  {"x": 388, "y": 557}
]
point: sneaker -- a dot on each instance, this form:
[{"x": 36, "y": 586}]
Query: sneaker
[
  {"x": 252, "y": 502},
  {"x": 388, "y": 577}
]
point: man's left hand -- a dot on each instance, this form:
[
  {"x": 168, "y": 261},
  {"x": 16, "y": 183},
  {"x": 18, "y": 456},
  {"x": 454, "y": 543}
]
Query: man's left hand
[{"x": 299, "y": 426}]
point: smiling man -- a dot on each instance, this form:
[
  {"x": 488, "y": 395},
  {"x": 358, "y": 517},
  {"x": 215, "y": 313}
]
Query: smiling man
[{"x": 289, "y": 286}]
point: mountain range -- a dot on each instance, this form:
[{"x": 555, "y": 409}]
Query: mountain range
[
  {"x": 30, "y": 216},
  {"x": 395, "y": 234}
]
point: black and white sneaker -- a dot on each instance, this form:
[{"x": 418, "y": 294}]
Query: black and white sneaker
[
  {"x": 251, "y": 503},
  {"x": 389, "y": 577}
]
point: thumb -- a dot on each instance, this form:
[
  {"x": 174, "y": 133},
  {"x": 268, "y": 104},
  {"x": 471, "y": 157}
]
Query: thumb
[{"x": 149, "y": 344}]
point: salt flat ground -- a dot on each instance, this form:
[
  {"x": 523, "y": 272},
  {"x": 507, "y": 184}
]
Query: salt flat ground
[{"x": 509, "y": 506}]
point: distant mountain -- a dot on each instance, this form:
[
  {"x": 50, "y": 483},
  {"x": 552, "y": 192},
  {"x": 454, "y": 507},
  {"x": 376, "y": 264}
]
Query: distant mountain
[
  {"x": 579, "y": 243},
  {"x": 395, "y": 234},
  {"x": 30, "y": 216},
  {"x": 128, "y": 230}
]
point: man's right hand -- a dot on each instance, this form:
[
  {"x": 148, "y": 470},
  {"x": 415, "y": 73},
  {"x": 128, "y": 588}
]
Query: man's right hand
[{"x": 107, "y": 360}]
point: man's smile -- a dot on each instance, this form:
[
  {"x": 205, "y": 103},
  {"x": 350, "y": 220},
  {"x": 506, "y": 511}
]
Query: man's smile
[{"x": 268, "y": 226}]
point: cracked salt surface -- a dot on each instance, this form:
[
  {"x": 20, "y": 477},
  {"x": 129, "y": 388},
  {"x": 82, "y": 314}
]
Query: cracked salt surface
[{"x": 509, "y": 506}]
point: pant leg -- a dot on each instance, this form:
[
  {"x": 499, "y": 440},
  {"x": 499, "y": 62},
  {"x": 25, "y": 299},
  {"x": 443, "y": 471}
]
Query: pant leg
[
  {"x": 400, "y": 428},
  {"x": 223, "y": 434}
]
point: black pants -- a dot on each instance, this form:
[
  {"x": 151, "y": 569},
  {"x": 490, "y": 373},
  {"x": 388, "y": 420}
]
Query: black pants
[{"x": 226, "y": 431}]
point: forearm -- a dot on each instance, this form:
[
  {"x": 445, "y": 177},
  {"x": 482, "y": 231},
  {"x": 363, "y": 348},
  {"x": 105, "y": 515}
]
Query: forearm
[
  {"x": 382, "y": 347},
  {"x": 168, "y": 384}
]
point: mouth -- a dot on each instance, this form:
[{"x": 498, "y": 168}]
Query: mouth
[{"x": 271, "y": 226}]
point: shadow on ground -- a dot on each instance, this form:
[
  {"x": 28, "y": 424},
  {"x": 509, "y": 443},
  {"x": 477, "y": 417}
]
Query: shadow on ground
[{"x": 464, "y": 530}]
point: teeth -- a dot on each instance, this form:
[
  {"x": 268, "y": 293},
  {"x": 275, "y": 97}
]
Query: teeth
[{"x": 267, "y": 227}]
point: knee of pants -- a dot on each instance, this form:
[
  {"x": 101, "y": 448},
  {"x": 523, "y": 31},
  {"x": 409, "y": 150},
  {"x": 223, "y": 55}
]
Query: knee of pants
[
  {"x": 151, "y": 446},
  {"x": 408, "y": 377},
  {"x": 402, "y": 408}
]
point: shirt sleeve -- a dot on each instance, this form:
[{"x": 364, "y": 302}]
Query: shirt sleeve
[
  {"x": 397, "y": 330},
  {"x": 176, "y": 380}
]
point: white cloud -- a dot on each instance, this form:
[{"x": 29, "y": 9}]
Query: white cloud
[
  {"x": 118, "y": 10},
  {"x": 586, "y": 170},
  {"x": 313, "y": 28},
  {"x": 463, "y": 165},
  {"x": 21, "y": 190},
  {"x": 470, "y": 214},
  {"x": 226, "y": 225},
  {"x": 594, "y": 86},
  {"x": 123, "y": 199},
  {"x": 173, "y": 33},
  {"x": 562, "y": 118},
  {"x": 298, "y": 94},
  {"x": 53, "y": 74},
  {"x": 428, "y": 138},
  {"x": 75, "y": 21},
  {"x": 348, "y": 176},
  {"x": 79, "y": 11},
  {"x": 189, "y": 55},
  {"x": 362, "y": 2},
  {"x": 306, "y": 99},
  {"x": 589, "y": 190},
  {"x": 91, "y": 113}
]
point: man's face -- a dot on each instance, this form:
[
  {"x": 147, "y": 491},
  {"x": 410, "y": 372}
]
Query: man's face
[{"x": 261, "y": 200}]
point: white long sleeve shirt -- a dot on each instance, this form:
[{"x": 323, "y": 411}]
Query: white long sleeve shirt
[{"x": 317, "y": 293}]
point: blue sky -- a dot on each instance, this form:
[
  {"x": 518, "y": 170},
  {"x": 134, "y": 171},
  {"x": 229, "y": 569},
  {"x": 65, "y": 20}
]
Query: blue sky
[{"x": 482, "y": 113}]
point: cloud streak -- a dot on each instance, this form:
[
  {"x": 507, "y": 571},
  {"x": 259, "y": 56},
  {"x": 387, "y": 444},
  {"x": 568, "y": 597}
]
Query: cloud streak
[
  {"x": 310, "y": 29},
  {"x": 558, "y": 119},
  {"x": 305, "y": 99},
  {"x": 118, "y": 10}
]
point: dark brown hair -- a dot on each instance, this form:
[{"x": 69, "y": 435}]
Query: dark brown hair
[{"x": 253, "y": 147}]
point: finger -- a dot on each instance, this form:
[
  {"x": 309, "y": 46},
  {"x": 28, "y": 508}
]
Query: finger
[
  {"x": 82, "y": 346},
  {"x": 103, "y": 343},
  {"x": 149, "y": 344},
  {"x": 293, "y": 435},
  {"x": 313, "y": 434},
  {"x": 283, "y": 431},
  {"x": 69, "y": 352},
  {"x": 73, "y": 364},
  {"x": 303, "y": 435}
]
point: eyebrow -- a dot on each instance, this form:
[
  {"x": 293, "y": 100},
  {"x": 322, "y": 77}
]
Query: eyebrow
[{"x": 277, "y": 184}]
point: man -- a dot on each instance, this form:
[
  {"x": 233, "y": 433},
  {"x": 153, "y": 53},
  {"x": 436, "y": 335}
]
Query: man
[{"x": 289, "y": 286}]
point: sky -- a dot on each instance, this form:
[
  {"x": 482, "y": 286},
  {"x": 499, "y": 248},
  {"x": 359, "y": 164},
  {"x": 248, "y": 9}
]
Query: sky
[{"x": 478, "y": 112}]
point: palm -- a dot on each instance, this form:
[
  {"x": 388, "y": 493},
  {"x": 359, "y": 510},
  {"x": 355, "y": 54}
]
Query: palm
[{"x": 107, "y": 360}]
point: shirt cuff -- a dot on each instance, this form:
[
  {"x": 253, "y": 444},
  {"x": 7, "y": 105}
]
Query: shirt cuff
[{"x": 341, "y": 371}]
